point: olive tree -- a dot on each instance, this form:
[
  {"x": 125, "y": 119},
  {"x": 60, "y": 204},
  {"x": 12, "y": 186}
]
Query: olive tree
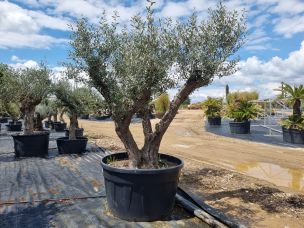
[
  {"x": 128, "y": 66},
  {"x": 76, "y": 101},
  {"x": 27, "y": 87}
]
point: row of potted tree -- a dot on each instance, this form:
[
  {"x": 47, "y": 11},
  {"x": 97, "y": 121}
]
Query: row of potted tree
[{"x": 241, "y": 110}]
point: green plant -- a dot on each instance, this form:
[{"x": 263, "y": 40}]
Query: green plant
[
  {"x": 213, "y": 107},
  {"x": 27, "y": 87},
  {"x": 75, "y": 101},
  {"x": 162, "y": 103},
  {"x": 295, "y": 94},
  {"x": 242, "y": 96},
  {"x": 130, "y": 66},
  {"x": 242, "y": 111},
  {"x": 293, "y": 122}
]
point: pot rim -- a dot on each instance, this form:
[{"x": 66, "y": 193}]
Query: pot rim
[
  {"x": 39, "y": 133},
  {"x": 142, "y": 171},
  {"x": 234, "y": 122},
  {"x": 64, "y": 139},
  {"x": 292, "y": 129}
]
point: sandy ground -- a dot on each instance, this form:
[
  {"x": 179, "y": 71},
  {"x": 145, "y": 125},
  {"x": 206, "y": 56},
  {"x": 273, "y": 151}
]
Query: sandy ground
[{"x": 257, "y": 184}]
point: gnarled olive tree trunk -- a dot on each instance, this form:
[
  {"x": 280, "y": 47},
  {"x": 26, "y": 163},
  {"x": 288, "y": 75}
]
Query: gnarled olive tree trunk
[
  {"x": 28, "y": 110},
  {"x": 73, "y": 126}
]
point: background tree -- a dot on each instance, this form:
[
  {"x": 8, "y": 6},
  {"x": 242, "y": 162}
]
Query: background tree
[
  {"x": 128, "y": 67},
  {"x": 295, "y": 94},
  {"x": 27, "y": 87},
  {"x": 75, "y": 101}
]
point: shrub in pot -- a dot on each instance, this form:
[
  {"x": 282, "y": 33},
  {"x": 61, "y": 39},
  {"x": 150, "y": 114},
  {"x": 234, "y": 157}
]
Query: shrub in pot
[
  {"x": 241, "y": 112},
  {"x": 293, "y": 126},
  {"x": 75, "y": 102},
  {"x": 161, "y": 105},
  {"x": 28, "y": 87},
  {"x": 213, "y": 110},
  {"x": 13, "y": 110},
  {"x": 129, "y": 69}
]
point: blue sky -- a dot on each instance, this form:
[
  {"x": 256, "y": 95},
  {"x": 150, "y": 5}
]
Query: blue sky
[{"x": 36, "y": 30}]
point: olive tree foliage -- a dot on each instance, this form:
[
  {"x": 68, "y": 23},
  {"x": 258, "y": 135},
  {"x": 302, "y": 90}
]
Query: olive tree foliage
[
  {"x": 27, "y": 87},
  {"x": 148, "y": 57},
  {"x": 76, "y": 101}
]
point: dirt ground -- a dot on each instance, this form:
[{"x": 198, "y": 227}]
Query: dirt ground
[{"x": 257, "y": 184}]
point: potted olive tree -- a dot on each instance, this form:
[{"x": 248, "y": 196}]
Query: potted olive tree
[
  {"x": 76, "y": 101},
  {"x": 241, "y": 112},
  {"x": 131, "y": 66},
  {"x": 293, "y": 126},
  {"x": 28, "y": 87},
  {"x": 213, "y": 110}
]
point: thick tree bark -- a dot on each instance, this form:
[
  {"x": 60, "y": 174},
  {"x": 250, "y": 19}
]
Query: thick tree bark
[
  {"x": 38, "y": 123},
  {"x": 73, "y": 126},
  {"x": 297, "y": 108},
  {"x": 49, "y": 118},
  {"x": 61, "y": 116},
  {"x": 55, "y": 116},
  {"x": 28, "y": 111}
]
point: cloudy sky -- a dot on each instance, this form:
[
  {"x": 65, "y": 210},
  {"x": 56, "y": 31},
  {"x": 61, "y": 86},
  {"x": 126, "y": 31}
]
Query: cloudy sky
[{"x": 36, "y": 30}]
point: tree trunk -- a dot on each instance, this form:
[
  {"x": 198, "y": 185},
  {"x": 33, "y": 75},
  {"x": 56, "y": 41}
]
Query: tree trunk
[
  {"x": 73, "y": 126},
  {"x": 49, "y": 118},
  {"x": 28, "y": 119},
  {"x": 297, "y": 108},
  {"x": 55, "y": 117},
  {"x": 38, "y": 123},
  {"x": 61, "y": 116}
]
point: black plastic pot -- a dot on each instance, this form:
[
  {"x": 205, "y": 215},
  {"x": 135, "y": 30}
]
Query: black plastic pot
[
  {"x": 16, "y": 122},
  {"x": 102, "y": 117},
  {"x": 141, "y": 194},
  {"x": 66, "y": 146},
  {"x": 35, "y": 145},
  {"x": 79, "y": 132},
  {"x": 293, "y": 136},
  {"x": 59, "y": 127},
  {"x": 84, "y": 117},
  {"x": 214, "y": 121},
  {"x": 14, "y": 127},
  {"x": 3, "y": 119},
  {"x": 49, "y": 124},
  {"x": 240, "y": 127}
]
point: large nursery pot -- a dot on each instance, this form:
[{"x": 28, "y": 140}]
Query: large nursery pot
[
  {"x": 77, "y": 146},
  {"x": 17, "y": 126},
  {"x": 3, "y": 119},
  {"x": 84, "y": 116},
  {"x": 59, "y": 127},
  {"x": 141, "y": 194},
  {"x": 49, "y": 124},
  {"x": 215, "y": 121},
  {"x": 240, "y": 127},
  {"x": 293, "y": 135},
  {"x": 34, "y": 145},
  {"x": 79, "y": 132}
]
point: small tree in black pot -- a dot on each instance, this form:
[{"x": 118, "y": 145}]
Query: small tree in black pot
[
  {"x": 28, "y": 87},
  {"x": 131, "y": 66},
  {"x": 75, "y": 101},
  {"x": 293, "y": 126},
  {"x": 242, "y": 112},
  {"x": 213, "y": 110}
]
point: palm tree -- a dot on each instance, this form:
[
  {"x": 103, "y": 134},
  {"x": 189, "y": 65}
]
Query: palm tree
[{"x": 295, "y": 94}]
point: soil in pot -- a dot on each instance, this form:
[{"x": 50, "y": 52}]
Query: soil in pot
[
  {"x": 77, "y": 146},
  {"x": 79, "y": 132},
  {"x": 3, "y": 119},
  {"x": 214, "y": 121},
  {"x": 294, "y": 136},
  {"x": 240, "y": 127},
  {"x": 141, "y": 194},
  {"x": 59, "y": 127},
  {"x": 34, "y": 145},
  {"x": 14, "y": 127}
]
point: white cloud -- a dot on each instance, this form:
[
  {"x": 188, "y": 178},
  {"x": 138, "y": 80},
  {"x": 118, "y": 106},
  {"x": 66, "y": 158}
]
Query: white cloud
[
  {"x": 289, "y": 26},
  {"x": 26, "y": 64}
]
